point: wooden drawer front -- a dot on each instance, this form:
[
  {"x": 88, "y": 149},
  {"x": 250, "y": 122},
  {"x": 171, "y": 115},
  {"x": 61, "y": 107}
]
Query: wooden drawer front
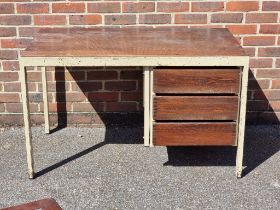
[
  {"x": 187, "y": 134},
  {"x": 195, "y": 107},
  {"x": 206, "y": 81}
]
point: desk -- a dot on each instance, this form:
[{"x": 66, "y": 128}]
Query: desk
[{"x": 151, "y": 48}]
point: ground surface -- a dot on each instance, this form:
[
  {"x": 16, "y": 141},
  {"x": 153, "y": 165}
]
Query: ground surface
[{"x": 82, "y": 171}]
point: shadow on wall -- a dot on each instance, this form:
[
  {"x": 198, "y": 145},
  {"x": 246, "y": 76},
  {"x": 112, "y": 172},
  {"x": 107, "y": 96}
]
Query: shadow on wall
[
  {"x": 261, "y": 142},
  {"x": 109, "y": 120}
]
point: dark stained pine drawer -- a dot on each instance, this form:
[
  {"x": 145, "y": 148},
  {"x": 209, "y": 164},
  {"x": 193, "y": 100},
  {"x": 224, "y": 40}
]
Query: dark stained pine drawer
[
  {"x": 197, "y": 81},
  {"x": 195, "y": 107},
  {"x": 194, "y": 134}
]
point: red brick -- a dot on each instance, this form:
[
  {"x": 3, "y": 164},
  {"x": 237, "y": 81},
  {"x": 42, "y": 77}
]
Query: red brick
[
  {"x": 58, "y": 107},
  {"x": 79, "y": 119},
  {"x": 268, "y": 73},
  {"x": 9, "y": 97},
  {"x": 102, "y": 75},
  {"x": 132, "y": 96},
  {"x": 258, "y": 84},
  {"x": 267, "y": 95},
  {"x": 275, "y": 84},
  {"x": 120, "y": 19},
  {"x": 207, "y": 6},
  {"x": 227, "y": 18},
  {"x": 2, "y": 107},
  {"x": 258, "y": 40},
  {"x": 137, "y": 7},
  {"x": 88, "y": 107},
  {"x": 131, "y": 74},
  {"x": 12, "y": 87},
  {"x": 103, "y": 96},
  {"x": 270, "y": 29},
  {"x": 121, "y": 107},
  {"x": 10, "y": 65},
  {"x": 155, "y": 19},
  {"x": 261, "y": 18},
  {"x": 33, "y": 8},
  {"x": 104, "y": 7},
  {"x": 68, "y": 7},
  {"x": 243, "y": 6},
  {"x": 70, "y": 76},
  {"x": 277, "y": 64},
  {"x": 86, "y": 86},
  {"x": 242, "y": 29},
  {"x": 17, "y": 108},
  {"x": 15, "y": 43},
  {"x": 33, "y": 76},
  {"x": 274, "y": 105},
  {"x": 120, "y": 85},
  {"x": 260, "y": 62},
  {"x": 11, "y": 120},
  {"x": 7, "y": 31},
  {"x": 71, "y": 97},
  {"x": 172, "y": 6},
  {"x": 257, "y": 105},
  {"x": 29, "y": 31},
  {"x": 250, "y": 51},
  {"x": 271, "y": 6},
  {"x": 6, "y": 8},
  {"x": 55, "y": 86},
  {"x": 9, "y": 76},
  {"x": 85, "y": 19},
  {"x": 190, "y": 18},
  {"x": 15, "y": 20},
  {"x": 49, "y": 19},
  {"x": 8, "y": 55},
  {"x": 269, "y": 52}
]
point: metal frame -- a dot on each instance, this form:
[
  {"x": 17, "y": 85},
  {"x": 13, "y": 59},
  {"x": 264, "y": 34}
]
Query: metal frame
[{"x": 148, "y": 63}]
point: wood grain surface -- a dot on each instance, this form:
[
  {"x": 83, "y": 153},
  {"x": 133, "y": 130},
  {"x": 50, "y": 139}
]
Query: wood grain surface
[
  {"x": 133, "y": 41},
  {"x": 192, "y": 134},
  {"x": 206, "y": 81},
  {"x": 195, "y": 107},
  {"x": 45, "y": 204}
]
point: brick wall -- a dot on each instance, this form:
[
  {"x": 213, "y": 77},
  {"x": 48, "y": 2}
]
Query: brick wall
[{"x": 255, "y": 24}]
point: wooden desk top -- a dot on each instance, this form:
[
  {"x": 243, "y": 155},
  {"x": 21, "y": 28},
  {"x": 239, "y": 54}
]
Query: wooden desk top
[{"x": 135, "y": 42}]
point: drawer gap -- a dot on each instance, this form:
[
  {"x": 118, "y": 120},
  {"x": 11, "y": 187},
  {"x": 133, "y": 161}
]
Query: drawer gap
[
  {"x": 198, "y": 67},
  {"x": 194, "y": 121},
  {"x": 196, "y": 94}
]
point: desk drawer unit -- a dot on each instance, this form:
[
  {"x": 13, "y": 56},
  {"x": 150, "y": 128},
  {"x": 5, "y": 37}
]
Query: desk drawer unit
[{"x": 195, "y": 106}]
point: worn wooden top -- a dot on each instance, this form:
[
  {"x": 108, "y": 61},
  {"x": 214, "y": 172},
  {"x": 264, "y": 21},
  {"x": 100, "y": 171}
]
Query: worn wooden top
[
  {"x": 136, "y": 42},
  {"x": 45, "y": 204}
]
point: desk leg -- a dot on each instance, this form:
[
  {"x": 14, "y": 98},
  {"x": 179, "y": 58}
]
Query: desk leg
[
  {"x": 151, "y": 93},
  {"x": 26, "y": 116},
  {"x": 242, "y": 116},
  {"x": 146, "y": 103},
  {"x": 45, "y": 100}
]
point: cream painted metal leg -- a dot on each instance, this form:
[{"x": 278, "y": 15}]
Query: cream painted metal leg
[
  {"x": 146, "y": 103},
  {"x": 242, "y": 116},
  {"x": 151, "y": 106},
  {"x": 45, "y": 100},
  {"x": 28, "y": 135}
]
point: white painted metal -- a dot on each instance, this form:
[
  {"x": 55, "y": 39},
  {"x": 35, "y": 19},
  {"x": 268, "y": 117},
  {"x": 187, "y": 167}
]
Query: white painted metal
[
  {"x": 151, "y": 106},
  {"x": 26, "y": 116},
  {"x": 45, "y": 100},
  {"x": 146, "y": 102},
  {"x": 242, "y": 117},
  {"x": 134, "y": 61}
]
